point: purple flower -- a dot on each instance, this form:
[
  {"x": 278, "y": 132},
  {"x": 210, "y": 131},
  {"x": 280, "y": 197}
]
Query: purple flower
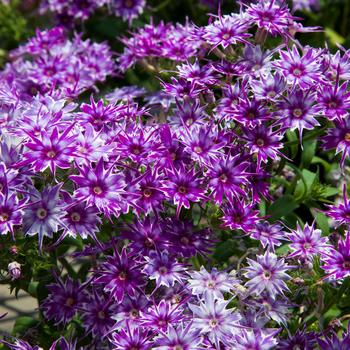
[
  {"x": 271, "y": 15},
  {"x": 339, "y": 138},
  {"x": 183, "y": 186},
  {"x": 182, "y": 337},
  {"x": 334, "y": 101},
  {"x": 81, "y": 220},
  {"x": 268, "y": 234},
  {"x": 298, "y": 111},
  {"x": 50, "y": 150},
  {"x": 160, "y": 316},
  {"x": 202, "y": 143},
  {"x": 263, "y": 142},
  {"x": 303, "y": 71},
  {"x": 238, "y": 215},
  {"x": 131, "y": 338},
  {"x": 215, "y": 283},
  {"x": 65, "y": 297},
  {"x": 212, "y": 318},
  {"x": 97, "y": 314},
  {"x": 164, "y": 269},
  {"x": 43, "y": 216},
  {"x": 227, "y": 30},
  {"x": 267, "y": 274},
  {"x": 120, "y": 274},
  {"x": 256, "y": 340},
  {"x": 185, "y": 240},
  {"x": 10, "y": 213},
  {"x": 333, "y": 342},
  {"x": 336, "y": 262},
  {"x": 101, "y": 188},
  {"x": 145, "y": 236},
  {"x": 307, "y": 242},
  {"x": 128, "y": 9},
  {"x": 227, "y": 177}
]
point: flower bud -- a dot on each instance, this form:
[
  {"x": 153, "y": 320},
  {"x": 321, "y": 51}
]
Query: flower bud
[{"x": 14, "y": 269}]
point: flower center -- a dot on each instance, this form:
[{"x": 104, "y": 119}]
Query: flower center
[
  {"x": 69, "y": 302},
  {"x": 178, "y": 347},
  {"x": 75, "y": 217},
  {"x": 176, "y": 299},
  {"x": 182, "y": 189},
  {"x": 332, "y": 104},
  {"x": 134, "y": 313},
  {"x": 101, "y": 315},
  {"x": 122, "y": 275},
  {"x": 147, "y": 193},
  {"x": 136, "y": 149},
  {"x": 297, "y": 112},
  {"x": 267, "y": 274},
  {"x": 223, "y": 178},
  {"x": 260, "y": 142},
  {"x": 184, "y": 240},
  {"x": 307, "y": 246},
  {"x": 51, "y": 154},
  {"x": 1, "y": 187},
  {"x": 41, "y": 213},
  {"x": 346, "y": 265},
  {"x": 163, "y": 270},
  {"x": 97, "y": 190},
  {"x": 347, "y": 137},
  {"x": 4, "y": 216},
  {"x": 271, "y": 94},
  {"x": 129, "y": 4},
  {"x": 213, "y": 323},
  {"x": 198, "y": 149},
  {"x": 211, "y": 284},
  {"x": 226, "y": 36},
  {"x": 297, "y": 72}
]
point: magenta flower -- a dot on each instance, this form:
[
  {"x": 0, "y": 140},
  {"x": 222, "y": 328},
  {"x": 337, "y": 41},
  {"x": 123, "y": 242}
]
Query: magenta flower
[
  {"x": 307, "y": 242},
  {"x": 269, "y": 235},
  {"x": 303, "y": 71},
  {"x": 263, "y": 142},
  {"x": 161, "y": 315},
  {"x": 339, "y": 138},
  {"x": 212, "y": 318},
  {"x": 44, "y": 214},
  {"x": 336, "y": 262},
  {"x": 183, "y": 187},
  {"x": 271, "y": 15},
  {"x": 267, "y": 274},
  {"x": 215, "y": 283},
  {"x": 50, "y": 150},
  {"x": 128, "y": 9},
  {"x": 298, "y": 111},
  {"x": 120, "y": 274},
  {"x": 227, "y": 177},
  {"x": 239, "y": 215},
  {"x": 132, "y": 337},
  {"x": 101, "y": 188},
  {"x": 164, "y": 269},
  {"x": 10, "y": 213},
  {"x": 65, "y": 297},
  {"x": 182, "y": 337},
  {"x": 227, "y": 30}
]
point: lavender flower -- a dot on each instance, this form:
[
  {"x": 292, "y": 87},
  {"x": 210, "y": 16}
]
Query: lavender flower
[{"x": 267, "y": 273}]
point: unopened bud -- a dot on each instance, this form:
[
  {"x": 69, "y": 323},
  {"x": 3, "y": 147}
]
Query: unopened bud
[{"x": 14, "y": 269}]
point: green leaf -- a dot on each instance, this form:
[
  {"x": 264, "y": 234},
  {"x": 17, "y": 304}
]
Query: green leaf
[
  {"x": 23, "y": 323},
  {"x": 33, "y": 289},
  {"x": 309, "y": 178},
  {"x": 334, "y": 37},
  {"x": 322, "y": 223},
  {"x": 292, "y": 136},
  {"x": 308, "y": 152},
  {"x": 224, "y": 250},
  {"x": 282, "y": 207}
]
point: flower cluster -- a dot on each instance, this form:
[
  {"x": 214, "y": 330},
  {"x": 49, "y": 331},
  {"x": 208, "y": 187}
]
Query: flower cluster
[
  {"x": 70, "y": 10},
  {"x": 178, "y": 201}
]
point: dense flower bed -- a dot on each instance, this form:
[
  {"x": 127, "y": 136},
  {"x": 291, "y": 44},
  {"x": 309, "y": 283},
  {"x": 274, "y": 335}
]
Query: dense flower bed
[{"x": 206, "y": 210}]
